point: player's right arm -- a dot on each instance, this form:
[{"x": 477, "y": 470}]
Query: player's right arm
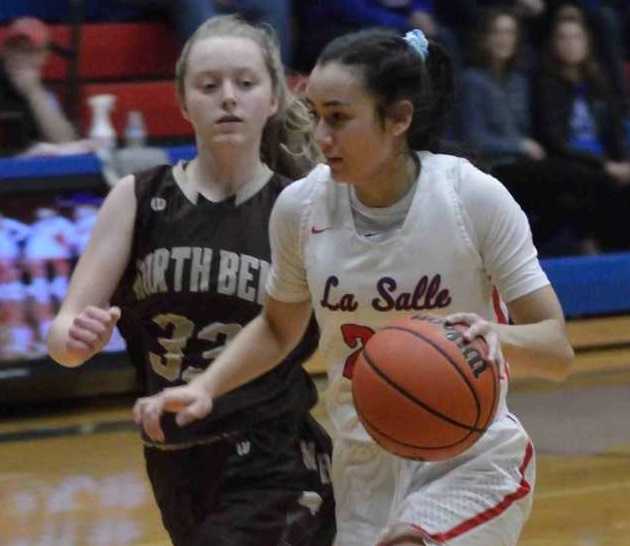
[{"x": 85, "y": 321}]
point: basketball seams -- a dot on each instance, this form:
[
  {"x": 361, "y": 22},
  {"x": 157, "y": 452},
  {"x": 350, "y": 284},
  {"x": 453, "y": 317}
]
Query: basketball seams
[
  {"x": 452, "y": 363},
  {"x": 412, "y": 398},
  {"x": 495, "y": 390},
  {"x": 407, "y": 395},
  {"x": 371, "y": 427}
]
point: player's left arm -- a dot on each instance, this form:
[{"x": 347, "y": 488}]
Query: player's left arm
[{"x": 536, "y": 345}]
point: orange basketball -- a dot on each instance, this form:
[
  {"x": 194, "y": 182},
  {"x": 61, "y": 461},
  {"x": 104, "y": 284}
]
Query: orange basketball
[{"x": 421, "y": 392}]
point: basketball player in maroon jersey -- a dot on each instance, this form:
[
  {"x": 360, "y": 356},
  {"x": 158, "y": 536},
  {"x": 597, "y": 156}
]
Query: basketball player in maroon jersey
[{"x": 187, "y": 249}]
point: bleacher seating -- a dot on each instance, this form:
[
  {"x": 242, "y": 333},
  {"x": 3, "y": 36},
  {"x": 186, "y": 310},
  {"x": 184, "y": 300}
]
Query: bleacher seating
[
  {"x": 136, "y": 63},
  {"x": 117, "y": 51},
  {"x": 133, "y": 61}
]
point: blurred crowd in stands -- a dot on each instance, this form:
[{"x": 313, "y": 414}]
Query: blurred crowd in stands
[{"x": 542, "y": 100}]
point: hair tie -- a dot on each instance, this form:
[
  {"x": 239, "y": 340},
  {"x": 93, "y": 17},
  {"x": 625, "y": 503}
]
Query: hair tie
[{"x": 418, "y": 41}]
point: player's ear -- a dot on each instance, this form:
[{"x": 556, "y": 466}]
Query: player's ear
[
  {"x": 181, "y": 100},
  {"x": 275, "y": 105},
  {"x": 399, "y": 116}
]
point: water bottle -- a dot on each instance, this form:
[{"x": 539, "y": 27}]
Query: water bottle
[
  {"x": 135, "y": 130},
  {"x": 102, "y": 132}
]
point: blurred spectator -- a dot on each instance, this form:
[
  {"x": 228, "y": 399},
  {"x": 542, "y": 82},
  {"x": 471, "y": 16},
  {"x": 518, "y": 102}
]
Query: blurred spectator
[
  {"x": 577, "y": 114},
  {"x": 496, "y": 119},
  {"x": 187, "y": 15},
  {"x": 578, "y": 117},
  {"x": 28, "y": 112},
  {"x": 322, "y": 20},
  {"x": 605, "y": 18},
  {"x": 495, "y": 102},
  {"x": 532, "y": 15}
]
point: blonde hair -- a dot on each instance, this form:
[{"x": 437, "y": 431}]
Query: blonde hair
[{"x": 287, "y": 144}]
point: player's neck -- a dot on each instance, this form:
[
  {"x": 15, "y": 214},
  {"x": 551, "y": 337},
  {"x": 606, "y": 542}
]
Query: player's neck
[
  {"x": 390, "y": 183},
  {"x": 218, "y": 175}
]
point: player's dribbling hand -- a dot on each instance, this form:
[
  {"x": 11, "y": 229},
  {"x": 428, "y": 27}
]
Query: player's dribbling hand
[
  {"x": 189, "y": 403},
  {"x": 90, "y": 331},
  {"x": 480, "y": 327}
]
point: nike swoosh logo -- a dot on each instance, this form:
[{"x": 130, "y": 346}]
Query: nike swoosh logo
[{"x": 315, "y": 230}]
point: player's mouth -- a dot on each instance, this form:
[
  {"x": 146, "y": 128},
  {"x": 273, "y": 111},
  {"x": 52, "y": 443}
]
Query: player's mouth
[
  {"x": 229, "y": 119},
  {"x": 334, "y": 161}
]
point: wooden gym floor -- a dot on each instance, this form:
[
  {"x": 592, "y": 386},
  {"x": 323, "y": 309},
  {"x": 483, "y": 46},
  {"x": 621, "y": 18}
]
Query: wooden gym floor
[{"x": 76, "y": 476}]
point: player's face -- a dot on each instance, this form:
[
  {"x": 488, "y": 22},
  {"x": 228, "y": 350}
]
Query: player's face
[
  {"x": 228, "y": 91},
  {"x": 359, "y": 147},
  {"x": 570, "y": 43},
  {"x": 502, "y": 38}
]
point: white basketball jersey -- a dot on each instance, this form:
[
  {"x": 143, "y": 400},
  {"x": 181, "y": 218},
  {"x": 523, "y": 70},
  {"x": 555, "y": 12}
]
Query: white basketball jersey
[{"x": 433, "y": 264}]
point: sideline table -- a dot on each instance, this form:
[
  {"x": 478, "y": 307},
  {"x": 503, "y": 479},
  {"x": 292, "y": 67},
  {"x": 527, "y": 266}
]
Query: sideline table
[{"x": 82, "y": 171}]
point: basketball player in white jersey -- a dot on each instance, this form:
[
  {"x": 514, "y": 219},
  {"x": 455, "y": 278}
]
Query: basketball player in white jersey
[{"x": 386, "y": 229}]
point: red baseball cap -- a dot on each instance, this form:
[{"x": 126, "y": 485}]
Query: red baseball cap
[{"x": 27, "y": 28}]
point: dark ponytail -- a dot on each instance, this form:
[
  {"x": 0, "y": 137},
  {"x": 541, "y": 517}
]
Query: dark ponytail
[
  {"x": 392, "y": 71},
  {"x": 440, "y": 70}
]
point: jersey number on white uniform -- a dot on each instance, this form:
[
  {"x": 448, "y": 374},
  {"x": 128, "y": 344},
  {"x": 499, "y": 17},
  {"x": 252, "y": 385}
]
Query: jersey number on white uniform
[
  {"x": 169, "y": 365},
  {"x": 353, "y": 335}
]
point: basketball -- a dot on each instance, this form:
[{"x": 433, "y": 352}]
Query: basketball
[{"x": 422, "y": 392}]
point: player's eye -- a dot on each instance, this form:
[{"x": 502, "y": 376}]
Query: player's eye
[{"x": 336, "y": 118}]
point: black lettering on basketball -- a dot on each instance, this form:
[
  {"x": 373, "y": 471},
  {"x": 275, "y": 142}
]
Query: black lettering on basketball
[
  {"x": 475, "y": 360},
  {"x": 455, "y": 336}
]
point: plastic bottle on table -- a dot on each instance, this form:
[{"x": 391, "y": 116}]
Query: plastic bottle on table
[
  {"x": 135, "y": 130},
  {"x": 102, "y": 131}
]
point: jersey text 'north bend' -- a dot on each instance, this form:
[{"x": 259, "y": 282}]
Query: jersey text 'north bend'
[{"x": 196, "y": 277}]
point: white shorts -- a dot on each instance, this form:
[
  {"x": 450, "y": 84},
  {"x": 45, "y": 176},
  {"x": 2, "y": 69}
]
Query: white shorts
[{"x": 480, "y": 498}]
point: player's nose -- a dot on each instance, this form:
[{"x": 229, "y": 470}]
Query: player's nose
[
  {"x": 322, "y": 135},
  {"x": 228, "y": 93}
]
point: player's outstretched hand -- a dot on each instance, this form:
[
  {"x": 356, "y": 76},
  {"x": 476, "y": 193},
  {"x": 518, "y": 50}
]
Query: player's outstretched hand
[
  {"x": 90, "y": 331},
  {"x": 480, "y": 327},
  {"x": 189, "y": 403}
]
